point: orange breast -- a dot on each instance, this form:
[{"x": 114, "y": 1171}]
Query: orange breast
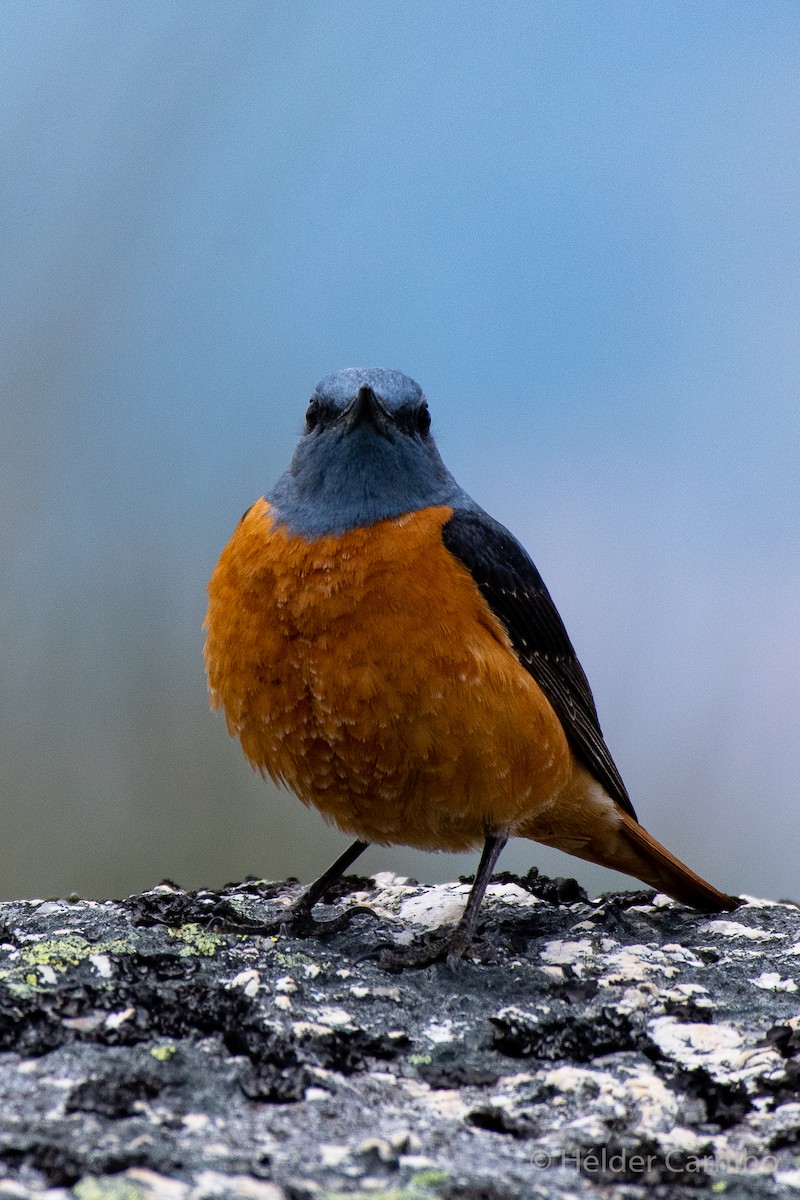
[{"x": 368, "y": 674}]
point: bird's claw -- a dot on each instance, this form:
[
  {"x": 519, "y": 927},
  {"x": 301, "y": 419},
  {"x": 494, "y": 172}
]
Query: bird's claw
[
  {"x": 451, "y": 948},
  {"x": 305, "y": 925},
  {"x": 296, "y": 921}
]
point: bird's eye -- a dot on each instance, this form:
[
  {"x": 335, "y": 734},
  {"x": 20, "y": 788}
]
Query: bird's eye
[
  {"x": 312, "y": 415},
  {"x": 423, "y": 420}
]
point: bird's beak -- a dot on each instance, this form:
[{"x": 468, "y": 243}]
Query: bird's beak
[{"x": 366, "y": 409}]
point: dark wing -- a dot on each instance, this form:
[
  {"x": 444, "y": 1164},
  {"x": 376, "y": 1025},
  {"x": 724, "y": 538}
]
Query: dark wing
[{"x": 513, "y": 589}]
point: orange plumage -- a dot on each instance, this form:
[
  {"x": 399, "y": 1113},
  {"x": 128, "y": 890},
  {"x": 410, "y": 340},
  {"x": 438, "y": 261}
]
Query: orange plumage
[{"x": 367, "y": 673}]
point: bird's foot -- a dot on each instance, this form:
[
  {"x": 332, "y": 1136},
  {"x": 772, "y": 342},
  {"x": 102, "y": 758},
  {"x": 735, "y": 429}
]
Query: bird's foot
[
  {"x": 435, "y": 947},
  {"x": 413, "y": 957},
  {"x": 295, "y": 921},
  {"x": 304, "y": 924}
]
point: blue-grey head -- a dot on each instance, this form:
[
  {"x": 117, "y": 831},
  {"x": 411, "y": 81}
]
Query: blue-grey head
[{"x": 366, "y": 454}]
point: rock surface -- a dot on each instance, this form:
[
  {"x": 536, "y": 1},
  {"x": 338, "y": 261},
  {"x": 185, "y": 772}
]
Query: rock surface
[{"x": 621, "y": 1047}]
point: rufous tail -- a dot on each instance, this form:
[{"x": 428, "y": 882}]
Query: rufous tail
[
  {"x": 664, "y": 871},
  {"x": 585, "y": 822}
]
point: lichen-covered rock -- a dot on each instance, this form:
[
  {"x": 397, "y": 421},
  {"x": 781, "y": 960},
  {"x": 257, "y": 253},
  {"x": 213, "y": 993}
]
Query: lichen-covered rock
[{"x": 158, "y": 1047}]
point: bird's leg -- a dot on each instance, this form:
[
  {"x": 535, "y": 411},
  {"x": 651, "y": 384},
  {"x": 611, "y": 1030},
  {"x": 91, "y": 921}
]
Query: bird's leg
[
  {"x": 297, "y": 917},
  {"x": 300, "y": 911},
  {"x": 462, "y": 935},
  {"x": 453, "y": 948}
]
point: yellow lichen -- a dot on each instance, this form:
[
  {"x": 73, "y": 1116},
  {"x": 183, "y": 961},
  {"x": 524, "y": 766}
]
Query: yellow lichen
[
  {"x": 197, "y": 940},
  {"x": 163, "y": 1053}
]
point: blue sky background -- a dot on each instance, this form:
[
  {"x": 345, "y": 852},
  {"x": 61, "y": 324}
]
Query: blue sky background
[{"x": 575, "y": 225}]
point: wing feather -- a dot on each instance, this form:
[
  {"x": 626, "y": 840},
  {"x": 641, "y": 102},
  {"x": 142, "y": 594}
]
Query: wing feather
[{"x": 516, "y": 594}]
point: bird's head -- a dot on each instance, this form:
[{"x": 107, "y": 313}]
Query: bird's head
[
  {"x": 366, "y": 402},
  {"x": 366, "y": 454}
]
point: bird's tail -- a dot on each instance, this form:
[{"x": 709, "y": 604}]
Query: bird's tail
[
  {"x": 664, "y": 871},
  {"x": 586, "y": 822}
]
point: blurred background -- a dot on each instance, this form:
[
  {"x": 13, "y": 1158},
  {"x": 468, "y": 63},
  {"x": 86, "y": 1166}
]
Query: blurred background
[{"x": 575, "y": 225}]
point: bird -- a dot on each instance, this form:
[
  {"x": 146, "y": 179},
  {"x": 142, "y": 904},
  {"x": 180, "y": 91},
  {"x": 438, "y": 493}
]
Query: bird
[{"x": 388, "y": 651}]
